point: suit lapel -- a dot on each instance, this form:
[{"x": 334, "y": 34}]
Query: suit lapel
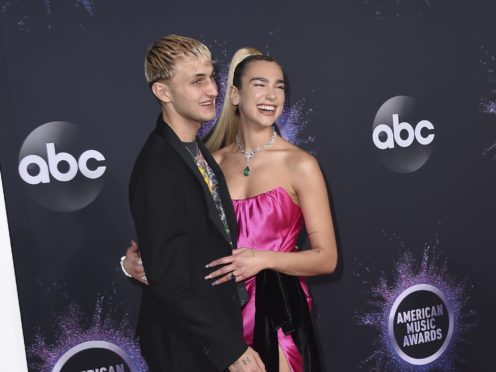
[
  {"x": 223, "y": 192},
  {"x": 165, "y": 131}
]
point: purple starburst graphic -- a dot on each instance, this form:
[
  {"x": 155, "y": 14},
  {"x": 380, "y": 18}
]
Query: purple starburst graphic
[
  {"x": 88, "y": 5},
  {"x": 293, "y": 121},
  {"x": 388, "y": 9},
  {"x": 490, "y": 152},
  {"x": 73, "y": 328},
  {"x": 408, "y": 272},
  {"x": 487, "y": 103},
  {"x": 23, "y": 12}
]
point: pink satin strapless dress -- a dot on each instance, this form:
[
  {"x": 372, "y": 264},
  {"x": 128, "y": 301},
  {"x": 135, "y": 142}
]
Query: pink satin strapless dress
[{"x": 270, "y": 221}]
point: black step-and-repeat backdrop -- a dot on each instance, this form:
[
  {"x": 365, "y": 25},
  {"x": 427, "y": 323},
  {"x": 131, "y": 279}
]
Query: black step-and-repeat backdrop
[{"x": 397, "y": 99}]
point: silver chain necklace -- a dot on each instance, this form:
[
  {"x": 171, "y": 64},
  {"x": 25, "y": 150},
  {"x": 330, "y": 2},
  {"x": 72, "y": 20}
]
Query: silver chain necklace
[
  {"x": 250, "y": 154},
  {"x": 197, "y": 149}
]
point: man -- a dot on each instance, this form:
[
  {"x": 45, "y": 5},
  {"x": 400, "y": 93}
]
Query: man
[{"x": 184, "y": 219}]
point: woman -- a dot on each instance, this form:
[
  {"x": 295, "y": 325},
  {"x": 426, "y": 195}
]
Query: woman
[{"x": 275, "y": 187}]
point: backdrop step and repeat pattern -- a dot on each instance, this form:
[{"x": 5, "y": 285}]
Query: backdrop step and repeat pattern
[{"x": 396, "y": 98}]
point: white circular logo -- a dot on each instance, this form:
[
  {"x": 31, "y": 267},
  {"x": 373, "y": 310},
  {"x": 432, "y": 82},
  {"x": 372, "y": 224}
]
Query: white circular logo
[
  {"x": 59, "y": 173},
  {"x": 402, "y": 137},
  {"x": 420, "y": 324},
  {"x": 95, "y": 356}
]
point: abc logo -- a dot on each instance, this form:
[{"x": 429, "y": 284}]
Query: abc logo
[
  {"x": 54, "y": 160},
  {"x": 393, "y": 136},
  {"x": 403, "y": 142},
  {"x": 59, "y": 173}
]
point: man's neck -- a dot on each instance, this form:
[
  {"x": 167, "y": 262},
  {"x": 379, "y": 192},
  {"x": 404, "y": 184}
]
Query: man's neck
[{"x": 185, "y": 130}]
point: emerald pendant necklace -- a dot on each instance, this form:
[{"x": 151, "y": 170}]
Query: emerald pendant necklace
[{"x": 250, "y": 154}]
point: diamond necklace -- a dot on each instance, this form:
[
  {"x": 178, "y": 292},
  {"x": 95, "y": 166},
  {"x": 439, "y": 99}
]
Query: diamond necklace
[{"x": 250, "y": 154}]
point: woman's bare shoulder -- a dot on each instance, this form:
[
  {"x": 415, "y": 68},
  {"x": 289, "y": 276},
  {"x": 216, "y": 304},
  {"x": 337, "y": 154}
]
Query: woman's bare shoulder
[{"x": 298, "y": 158}]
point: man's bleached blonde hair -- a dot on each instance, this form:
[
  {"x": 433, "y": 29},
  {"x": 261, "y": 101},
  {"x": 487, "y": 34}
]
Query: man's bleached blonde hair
[{"x": 163, "y": 54}]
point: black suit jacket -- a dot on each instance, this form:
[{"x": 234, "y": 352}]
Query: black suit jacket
[{"x": 185, "y": 324}]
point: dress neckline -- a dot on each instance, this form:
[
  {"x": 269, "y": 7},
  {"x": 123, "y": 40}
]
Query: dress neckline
[{"x": 273, "y": 190}]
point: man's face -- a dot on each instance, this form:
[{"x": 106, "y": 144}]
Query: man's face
[{"x": 192, "y": 91}]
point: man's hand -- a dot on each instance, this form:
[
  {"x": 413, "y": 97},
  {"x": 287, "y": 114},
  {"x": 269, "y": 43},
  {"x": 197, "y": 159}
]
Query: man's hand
[
  {"x": 248, "y": 362},
  {"x": 133, "y": 265}
]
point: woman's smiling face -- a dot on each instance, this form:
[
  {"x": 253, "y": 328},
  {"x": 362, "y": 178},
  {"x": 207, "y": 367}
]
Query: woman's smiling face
[{"x": 260, "y": 99}]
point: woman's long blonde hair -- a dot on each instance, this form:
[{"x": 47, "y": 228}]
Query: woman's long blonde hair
[{"x": 225, "y": 129}]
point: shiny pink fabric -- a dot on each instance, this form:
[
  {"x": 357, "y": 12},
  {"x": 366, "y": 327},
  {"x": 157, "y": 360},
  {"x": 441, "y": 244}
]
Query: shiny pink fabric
[{"x": 270, "y": 221}]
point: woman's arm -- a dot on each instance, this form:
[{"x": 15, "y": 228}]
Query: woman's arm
[{"x": 321, "y": 257}]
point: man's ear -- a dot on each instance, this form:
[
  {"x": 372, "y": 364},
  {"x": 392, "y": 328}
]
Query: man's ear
[
  {"x": 234, "y": 95},
  {"x": 161, "y": 91}
]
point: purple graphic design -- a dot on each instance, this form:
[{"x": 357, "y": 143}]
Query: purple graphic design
[
  {"x": 73, "y": 327},
  {"x": 488, "y": 63},
  {"x": 270, "y": 37},
  {"x": 293, "y": 122},
  {"x": 488, "y": 106},
  {"x": 487, "y": 103},
  {"x": 24, "y": 13},
  {"x": 408, "y": 271},
  {"x": 490, "y": 152},
  {"x": 395, "y": 9},
  {"x": 88, "y": 5}
]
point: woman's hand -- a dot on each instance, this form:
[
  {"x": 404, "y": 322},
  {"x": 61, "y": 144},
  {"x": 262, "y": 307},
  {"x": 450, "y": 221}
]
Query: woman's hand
[
  {"x": 133, "y": 265},
  {"x": 242, "y": 264}
]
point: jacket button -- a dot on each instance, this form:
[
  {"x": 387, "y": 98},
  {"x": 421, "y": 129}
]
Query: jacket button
[{"x": 206, "y": 350}]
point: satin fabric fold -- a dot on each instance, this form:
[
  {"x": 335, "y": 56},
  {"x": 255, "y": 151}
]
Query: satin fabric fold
[{"x": 272, "y": 221}]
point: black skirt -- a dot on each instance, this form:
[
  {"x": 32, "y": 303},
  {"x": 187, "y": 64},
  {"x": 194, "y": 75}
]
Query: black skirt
[{"x": 281, "y": 303}]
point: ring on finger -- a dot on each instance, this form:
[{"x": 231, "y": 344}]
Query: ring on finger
[{"x": 233, "y": 275}]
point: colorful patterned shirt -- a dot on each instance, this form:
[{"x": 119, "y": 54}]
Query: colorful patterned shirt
[{"x": 211, "y": 181}]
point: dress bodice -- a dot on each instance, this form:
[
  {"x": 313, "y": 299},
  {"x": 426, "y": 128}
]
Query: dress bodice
[{"x": 268, "y": 221}]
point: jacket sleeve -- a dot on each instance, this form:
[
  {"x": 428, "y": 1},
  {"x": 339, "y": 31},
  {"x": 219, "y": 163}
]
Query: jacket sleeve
[{"x": 160, "y": 225}]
